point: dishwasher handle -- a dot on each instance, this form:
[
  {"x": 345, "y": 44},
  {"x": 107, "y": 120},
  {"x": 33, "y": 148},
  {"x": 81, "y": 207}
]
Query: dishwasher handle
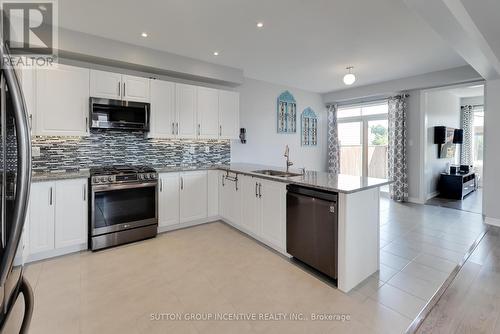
[{"x": 314, "y": 193}]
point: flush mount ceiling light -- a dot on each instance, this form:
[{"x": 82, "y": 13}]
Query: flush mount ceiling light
[
  {"x": 349, "y": 78},
  {"x": 144, "y": 34},
  {"x": 216, "y": 53},
  {"x": 260, "y": 25}
]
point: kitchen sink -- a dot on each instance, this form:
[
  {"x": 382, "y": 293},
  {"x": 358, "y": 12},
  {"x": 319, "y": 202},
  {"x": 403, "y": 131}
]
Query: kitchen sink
[{"x": 278, "y": 173}]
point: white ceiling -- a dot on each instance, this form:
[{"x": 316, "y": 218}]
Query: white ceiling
[{"x": 305, "y": 43}]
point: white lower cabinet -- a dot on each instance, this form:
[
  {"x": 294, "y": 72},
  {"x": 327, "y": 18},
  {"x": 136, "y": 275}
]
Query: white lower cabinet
[
  {"x": 168, "y": 199},
  {"x": 258, "y": 207},
  {"x": 193, "y": 196},
  {"x": 272, "y": 210},
  {"x": 42, "y": 215},
  {"x": 250, "y": 214},
  {"x": 57, "y": 215},
  {"x": 213, "y": 193},
  {"x": 230, "y": 198}
]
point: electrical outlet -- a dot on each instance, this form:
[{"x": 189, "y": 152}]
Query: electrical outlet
[
  {"x": 207, "y": 149},
  {"x": 191, "y": 149},
  {"x": 35, "y": 151}
]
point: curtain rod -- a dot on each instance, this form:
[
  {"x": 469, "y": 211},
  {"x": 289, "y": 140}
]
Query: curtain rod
[{"x": 367, "y": 100}]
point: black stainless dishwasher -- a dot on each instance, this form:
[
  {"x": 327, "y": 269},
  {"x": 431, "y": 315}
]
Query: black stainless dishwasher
[{"x": 312, "y": 228}]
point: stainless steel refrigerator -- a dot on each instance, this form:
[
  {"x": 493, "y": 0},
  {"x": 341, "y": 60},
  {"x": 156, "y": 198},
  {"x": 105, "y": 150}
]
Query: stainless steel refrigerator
[{"x": 16, "y": 297}]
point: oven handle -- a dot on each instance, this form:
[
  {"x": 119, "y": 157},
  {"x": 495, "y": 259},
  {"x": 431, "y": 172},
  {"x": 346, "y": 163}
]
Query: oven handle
[{"x": 111, "y": 187}]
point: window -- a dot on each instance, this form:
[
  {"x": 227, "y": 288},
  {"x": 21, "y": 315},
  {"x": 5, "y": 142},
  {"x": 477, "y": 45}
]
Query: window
[
  {"x": 363, "y": 139},
  {"x": 478, "y": 141}
]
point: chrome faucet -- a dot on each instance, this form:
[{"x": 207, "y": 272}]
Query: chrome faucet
[{"x": 287, "y": 155}]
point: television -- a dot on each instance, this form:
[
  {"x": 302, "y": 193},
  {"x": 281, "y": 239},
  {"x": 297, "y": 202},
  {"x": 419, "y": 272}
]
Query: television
[{"x": 445, "y": 138}]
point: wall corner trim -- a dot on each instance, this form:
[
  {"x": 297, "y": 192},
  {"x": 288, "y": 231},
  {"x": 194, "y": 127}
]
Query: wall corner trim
[{"x": 492, "y": 221}]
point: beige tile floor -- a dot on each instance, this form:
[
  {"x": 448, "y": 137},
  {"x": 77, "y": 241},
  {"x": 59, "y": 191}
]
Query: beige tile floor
[{"x": 215, "y": 269}]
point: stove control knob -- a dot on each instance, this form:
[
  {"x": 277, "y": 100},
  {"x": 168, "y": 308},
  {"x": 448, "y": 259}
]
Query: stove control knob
[
  {"x": 96, "y": 180},
  {"x": 140, "y": 177},
  {"x": 146, "y": 176},
  {"x": 103, "y": 179},
  {"x": 152, "y": 176},
  {"x": 110, "y": 179}
]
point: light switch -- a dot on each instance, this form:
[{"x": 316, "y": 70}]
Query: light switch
[
  {"x": 35, "y": 151},
  {"x": 207, "y": 149}
]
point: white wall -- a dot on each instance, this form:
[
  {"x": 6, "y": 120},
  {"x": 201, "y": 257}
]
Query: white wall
[
  {"x": 442, "y": 108},
  {"x": 413, "y": 149},
  {"x": 491, "y": 207},
  {"x": 264, "y": 145}
]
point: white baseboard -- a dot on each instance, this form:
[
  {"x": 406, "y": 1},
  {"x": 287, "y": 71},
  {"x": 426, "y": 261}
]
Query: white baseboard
[
  {"x": 492, "y": 221},
  {"x": 415, "y": 200},
  {"x": 56, "y": 252},
  {"x": 163, "y": 229},
  {"x": 432, "y": 195}
]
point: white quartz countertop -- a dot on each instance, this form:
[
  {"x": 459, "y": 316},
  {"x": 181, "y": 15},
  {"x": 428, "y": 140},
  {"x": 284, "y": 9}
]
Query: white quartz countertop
[{"x": 313, "y": 179}]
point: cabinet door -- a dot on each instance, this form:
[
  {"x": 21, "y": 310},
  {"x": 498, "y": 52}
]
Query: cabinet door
[
  {"x": 107, "y": 85},
  {"x": 185, "y": 106},
  {"x": 250, "y": 199},
  {"x": 62, "y": 101},
  {"x": 208, "y": 113},
  {"x": 135, "y": 88},
  {"x": 71, "y": 212},
  {"x": 193, "y": 196},
  {"x": 229, "y": 115},
  {"x": 231, "y": 200},
  {"x": 213, "y": 193},
  {"x": 273, "y": 213},
  {"x": 162, "y": 109},
  {"x": 168, "y": 199},
  {"x": 42, "y": 203}
]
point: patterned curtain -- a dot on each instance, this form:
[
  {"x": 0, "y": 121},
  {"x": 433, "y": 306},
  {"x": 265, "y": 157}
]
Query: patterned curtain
[
  {"x": 333, "y": 141},
  {"x": 467, "y": 120},
  {"x": 398, "y": 164}
]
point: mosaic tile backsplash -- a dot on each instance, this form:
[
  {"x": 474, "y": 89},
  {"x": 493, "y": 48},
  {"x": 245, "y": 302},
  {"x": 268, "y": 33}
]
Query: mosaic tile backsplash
[{"x": 108, "y": 147}]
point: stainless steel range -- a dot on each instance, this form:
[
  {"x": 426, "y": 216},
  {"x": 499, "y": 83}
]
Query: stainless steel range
[{"x": 123, "y": 205}]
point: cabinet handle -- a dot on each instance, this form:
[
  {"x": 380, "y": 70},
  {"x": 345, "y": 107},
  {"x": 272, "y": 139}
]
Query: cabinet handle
[
  {"x": 124, "y": 94},
  {"x": 260, "y": 190},
  {"x": 220, "y": 130},
  {"x": 199, "y": 129},
  {"x": 50, "y": 196},
  {"x": 223, "y": 184},
  {"x": 256, "y": 186},
  {"x": 173, "y": 128},
  {"x": 177, "y": 128},
  {"x": 31, "y": 121},
  {"x": 119, "y": 89},
  {"x": 86, "y": 123},
  {"x": 84, "y": 193},
  {"x": 182, "y": 183},
  {"x": 161, "y": 185}
]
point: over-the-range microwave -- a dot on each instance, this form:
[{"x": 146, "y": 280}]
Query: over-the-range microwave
[{"x": 117, "y": 114}]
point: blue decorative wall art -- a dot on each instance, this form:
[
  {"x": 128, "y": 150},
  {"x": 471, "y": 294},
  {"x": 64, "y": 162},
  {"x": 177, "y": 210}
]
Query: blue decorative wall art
[
  {"x": 287, "y": 113},
  {"x": 309, "y": 127}
]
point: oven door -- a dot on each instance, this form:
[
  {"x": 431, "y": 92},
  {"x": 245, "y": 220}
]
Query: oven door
[{"x": 122, "y": 207}]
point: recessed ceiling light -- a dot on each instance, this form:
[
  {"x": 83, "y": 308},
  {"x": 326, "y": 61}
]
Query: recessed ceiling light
[
  {"x": 144, "y": 34},
  {"x": 216, "y": 53},
  {"x": 260, "y": 25}
]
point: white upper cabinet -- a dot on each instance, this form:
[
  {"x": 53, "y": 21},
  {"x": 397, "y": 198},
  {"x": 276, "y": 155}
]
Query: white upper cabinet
[
  {"x": 185, "y": 106},
  {"x": 208, "y": 113},
  {"x": 193, "y": 196},
  {"x": 62, "y": 101},
  {"x": 107, "y": 85},
  {"x": 135, "y": 88},
  {"x": 71, "y": 212},
  {"x": 229, "y": 115},
  {"x": 168, "y": 199},
  {"x": 163, "y": 114},
  {"x": 110, "y": 85}
]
